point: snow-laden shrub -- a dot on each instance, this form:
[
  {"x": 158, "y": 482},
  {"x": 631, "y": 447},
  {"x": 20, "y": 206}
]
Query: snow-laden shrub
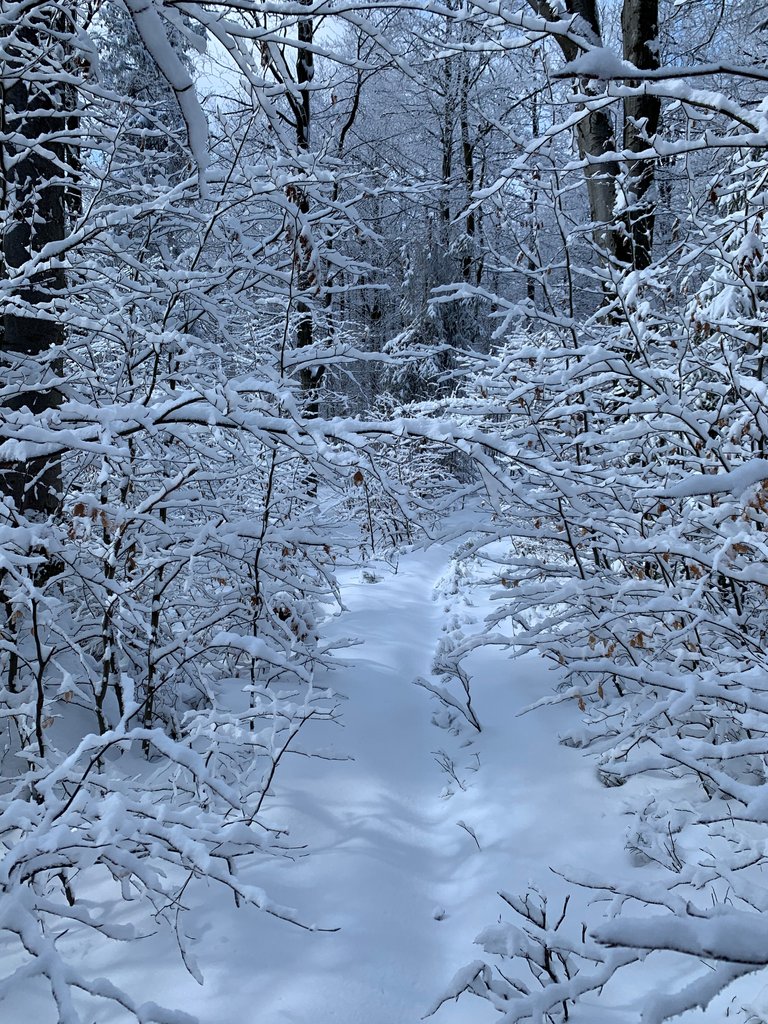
[
  {"x": 628, "y": 546},
  {"x": 159, "y": 612}
]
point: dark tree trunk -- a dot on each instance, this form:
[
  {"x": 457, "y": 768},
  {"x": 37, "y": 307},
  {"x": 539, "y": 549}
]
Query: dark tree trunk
[
  {"x": 311, "y": 377},
  {"x": 446, "y": 169},
  {"x": 469, "y": 263},
  {"x": 34, "y": 108},
  {"x": 625, "y": 239},
  {"x": 640, "y": 29},
  {"x": 533, "y": 212}
]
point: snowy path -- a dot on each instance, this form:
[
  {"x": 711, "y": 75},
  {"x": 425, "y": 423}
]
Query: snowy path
[
  {"x": 386, "y": 850},
  {"x": 377, "y": 866},
  {"x": 371, "y": 823}
]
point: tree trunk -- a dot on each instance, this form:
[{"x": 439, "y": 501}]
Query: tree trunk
[
  {"x": 469, "y": 262},
  {"x": 34, "y": 107},
  {"x": 640, "y": 29},
  {"x": 311, "y": 376},
  {"x": 625, "y": 238}
]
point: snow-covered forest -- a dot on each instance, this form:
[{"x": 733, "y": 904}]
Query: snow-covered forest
[{"x": 383, "y": 511}]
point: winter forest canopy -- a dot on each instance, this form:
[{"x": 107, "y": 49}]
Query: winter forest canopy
[{"x": 293, "y": 292}]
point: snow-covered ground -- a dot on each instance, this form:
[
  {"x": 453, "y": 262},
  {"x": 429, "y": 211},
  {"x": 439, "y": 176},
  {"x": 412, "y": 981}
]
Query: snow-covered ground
[
  {"x": 401, "y": 859},
  {"x": 387, "y": 862}
]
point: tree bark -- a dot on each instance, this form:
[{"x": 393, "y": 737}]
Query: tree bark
[
  {"x": 625, "y": 238},
  {"x": 311, "y": 376},
  {"x": 640, "y": 30},
  {"x": 469, "y": 263},
  {"x": 34, "y": 112}
]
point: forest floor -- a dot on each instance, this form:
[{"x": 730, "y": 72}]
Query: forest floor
[{"x": 402, "y": 859}]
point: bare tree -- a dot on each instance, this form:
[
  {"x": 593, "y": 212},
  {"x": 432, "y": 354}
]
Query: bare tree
[{"x": 625, "y": 238}]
